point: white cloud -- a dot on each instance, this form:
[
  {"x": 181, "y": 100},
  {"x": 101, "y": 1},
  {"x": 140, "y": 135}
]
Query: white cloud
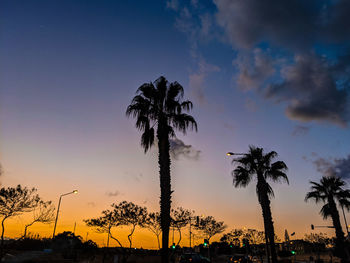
[{"x": 197, "y": 80}]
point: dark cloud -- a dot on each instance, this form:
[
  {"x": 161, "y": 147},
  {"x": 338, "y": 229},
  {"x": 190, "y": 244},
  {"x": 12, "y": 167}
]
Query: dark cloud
[
  {"x": 337, "y": 21},
  {"x": 288, "y": 51},
  {"x": 316, "y": 86},
  {"x": 113, "y": 194},
  {"x": 297, "y": 24},
  {"x": 311, "y": 92},
  {"x": 178, "y": 148},
  {"x": 300, "y": 130},
  {"x": 337, "y": 166},
  {"x": 284, "y": 22}
]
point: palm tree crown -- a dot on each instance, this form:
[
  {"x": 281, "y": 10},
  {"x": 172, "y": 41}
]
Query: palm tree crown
[
  {"x": 160, "y": 103},
  {"x": 256, "y": 163},
  {"x": 329, "y": 188}
]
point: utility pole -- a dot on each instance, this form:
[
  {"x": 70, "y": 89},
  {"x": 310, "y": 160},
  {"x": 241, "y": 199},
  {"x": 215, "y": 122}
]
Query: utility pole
[{"x": 346, "y": 224}]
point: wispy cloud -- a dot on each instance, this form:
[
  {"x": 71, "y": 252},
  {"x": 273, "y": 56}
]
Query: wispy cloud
[
  {"x": 91, "y": 204},
  {"x": 179, "y": 149},
  {"x": 250, "y": 105},
  {"x": 197, "y": 80},
  {"x": 300, "y": 130},
  {"x": 113, "y": 193},
  {"x": 172, "y": 4}
]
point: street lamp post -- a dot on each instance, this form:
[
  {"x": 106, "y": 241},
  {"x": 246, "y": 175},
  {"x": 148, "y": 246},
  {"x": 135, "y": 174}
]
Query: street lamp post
[
  {"x": 231, "y": 153},
  {"x": 313, "y": 227},
  {"x": 58, "y": 210},
  {"x": 346, "y": 223}
]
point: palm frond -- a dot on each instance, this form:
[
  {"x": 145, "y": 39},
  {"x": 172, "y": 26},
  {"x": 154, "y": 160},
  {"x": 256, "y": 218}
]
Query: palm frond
[
  {"x": 277, "y": 172},
  {"x": 161, "y": 85},
  {"x": 182, "y": 122},
  {"x": 142, "y": 123},
  {"x": 138, "y": 106},
  {"x": 175, "y": 90},
  {"x": 315, "y": 195},
  {"x": 187, "y": 105},
  {"x": 343, "y": 197},
  {"x": 147, "y": 90},
  {"x": 345, "y": 203},
  {"x": 241, "y": 177},
  {"x": 326, "y": 211},
  {"x": 147, "y": 139},
  {"x": 267, "y": 158},
  {"x": 270, "y": 191}
]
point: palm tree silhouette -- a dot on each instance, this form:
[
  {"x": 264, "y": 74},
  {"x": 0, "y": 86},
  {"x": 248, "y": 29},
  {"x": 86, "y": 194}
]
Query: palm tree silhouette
[
  {"x": 329, "y": 190},
  {"x": 258, "y": 164},
  {"x": 159, "y": 104}
]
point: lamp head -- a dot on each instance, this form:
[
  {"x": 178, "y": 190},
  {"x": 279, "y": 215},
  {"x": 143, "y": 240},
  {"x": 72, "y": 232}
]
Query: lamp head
[
  {"x": 229, "y": 153},
  {"x": 75, "y": 191}
]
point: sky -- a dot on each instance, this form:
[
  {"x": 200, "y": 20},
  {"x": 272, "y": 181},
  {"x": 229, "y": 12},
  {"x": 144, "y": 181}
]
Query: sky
[{"x": 273, "y": 74}]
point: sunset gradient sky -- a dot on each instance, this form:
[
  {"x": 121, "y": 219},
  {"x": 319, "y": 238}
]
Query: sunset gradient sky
[{"x": 271, "y": 74}]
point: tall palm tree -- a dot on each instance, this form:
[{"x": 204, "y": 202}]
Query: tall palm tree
[
  {"x": 256, "y": 164},
  {"x": 159, "y": 105},
  {"x": 329, "y": 190}
]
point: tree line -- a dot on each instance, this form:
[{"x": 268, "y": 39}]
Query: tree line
[{"x": 129, "y": 214}]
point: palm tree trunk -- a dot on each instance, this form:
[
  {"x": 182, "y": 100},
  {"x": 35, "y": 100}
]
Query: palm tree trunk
[
  {"x": 340, "y": 240},
  {"x": 267, "y": 247},
  {"x": 268, "y": 222},
  {"x": 165, "y": 187}
]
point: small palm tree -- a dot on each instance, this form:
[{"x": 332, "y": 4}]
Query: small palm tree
[
  {"x": 159, "y": 105},
  {"x": 329, "y": 190},
  {"x": 257, "y": 164}
]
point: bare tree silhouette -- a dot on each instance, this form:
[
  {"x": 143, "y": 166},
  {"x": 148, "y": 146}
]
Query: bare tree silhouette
[
  {"x": 105, "y": 223},
  {"x": 210, "y": 227},
  {"x": 44, "y": 213},
  {"x": 153, "y": 224},
  {"x": 180, "y": 219},
  {"x": 15, "y": 201},
  {"x": 131, "y": 214}
]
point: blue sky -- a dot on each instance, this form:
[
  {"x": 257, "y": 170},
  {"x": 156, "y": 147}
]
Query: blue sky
[{"x": 273, "y": 76}]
